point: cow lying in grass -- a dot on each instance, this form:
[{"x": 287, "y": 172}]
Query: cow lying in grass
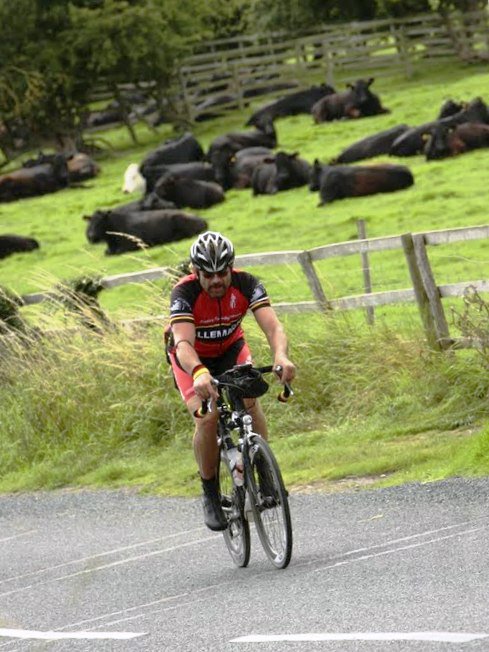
[
  {"x": 341, "y": 181},
  {"x": 357, "y": 102},
  {"x": 449, "y": 141},
  {"x": 132, "y": 231},
  {"x": 13, "y": 244}
]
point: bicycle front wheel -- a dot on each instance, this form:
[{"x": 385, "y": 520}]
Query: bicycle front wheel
[
  {"x": 269, "y": 503},
  {"x": 237, "y": 535}
]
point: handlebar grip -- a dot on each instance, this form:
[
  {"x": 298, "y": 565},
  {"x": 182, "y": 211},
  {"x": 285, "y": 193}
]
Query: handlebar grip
[
  {"x": 203, "y": 409},
  {"x": 287, "y": 392}
]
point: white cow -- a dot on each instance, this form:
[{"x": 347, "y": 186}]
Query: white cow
[{"x": 133, "y": 180}]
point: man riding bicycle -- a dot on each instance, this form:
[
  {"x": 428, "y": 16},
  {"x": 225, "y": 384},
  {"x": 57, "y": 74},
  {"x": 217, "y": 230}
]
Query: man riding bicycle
[{"x": 206, "y": 339}]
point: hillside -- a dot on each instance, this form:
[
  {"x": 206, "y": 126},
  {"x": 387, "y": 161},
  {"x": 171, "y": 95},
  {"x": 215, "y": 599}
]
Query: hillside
[{"x": 371, "y": 402}]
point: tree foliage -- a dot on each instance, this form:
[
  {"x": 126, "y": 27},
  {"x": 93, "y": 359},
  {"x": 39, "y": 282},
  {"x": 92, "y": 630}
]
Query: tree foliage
[{"x": 57, "y": 52}]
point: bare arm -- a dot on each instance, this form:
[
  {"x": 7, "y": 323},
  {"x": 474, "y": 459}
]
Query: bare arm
[
  {"x": 184, "y": 338},
  {"x": 275, "y": 334}
]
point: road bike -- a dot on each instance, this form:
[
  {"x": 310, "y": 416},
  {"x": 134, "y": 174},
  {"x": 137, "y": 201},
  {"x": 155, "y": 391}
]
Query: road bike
[{"x": 255, "y": 491}]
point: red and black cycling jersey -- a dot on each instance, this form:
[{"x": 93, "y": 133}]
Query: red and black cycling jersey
[{"x": 217, "y": 321}]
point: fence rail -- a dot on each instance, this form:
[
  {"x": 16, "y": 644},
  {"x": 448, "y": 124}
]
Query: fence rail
[{"x": 424, "y": 290}]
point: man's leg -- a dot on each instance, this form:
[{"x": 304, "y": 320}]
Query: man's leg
[
  {"x": 205, "y": 439},
  {"x": 206, "y": 454},
  {"x": 258, "y": 416}
]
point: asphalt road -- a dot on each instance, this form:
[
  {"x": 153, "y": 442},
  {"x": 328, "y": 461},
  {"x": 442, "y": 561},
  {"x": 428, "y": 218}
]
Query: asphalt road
[{"x": 396, "y": 569}]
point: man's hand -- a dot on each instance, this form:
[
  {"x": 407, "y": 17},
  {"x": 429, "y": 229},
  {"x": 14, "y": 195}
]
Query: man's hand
[
  {"x": 204, "y": 387},
  {"x": 288, "y": 368}
]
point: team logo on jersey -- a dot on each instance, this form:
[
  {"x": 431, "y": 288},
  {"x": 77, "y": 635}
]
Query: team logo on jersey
[
  {"x": 178, "y": 306},
  {"x": 232, "y": 301},
  {"x": 258, "y": 293}
]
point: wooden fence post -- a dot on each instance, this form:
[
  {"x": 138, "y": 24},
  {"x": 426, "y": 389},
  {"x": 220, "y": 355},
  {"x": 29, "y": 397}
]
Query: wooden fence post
[
  {"x": 305, "y": 261},
  {"x": 403, "y": 50},
  {"x": 432, "y": 291},
  {"x": 235, "y": 68},
  {"x": 419, "y": 291},
  {"x": 328, "y": 58},
  {"x": 367, "y": 282}
]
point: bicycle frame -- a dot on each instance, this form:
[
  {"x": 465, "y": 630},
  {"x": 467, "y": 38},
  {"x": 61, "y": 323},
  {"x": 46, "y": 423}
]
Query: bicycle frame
[{"x": 261, "y": 495}]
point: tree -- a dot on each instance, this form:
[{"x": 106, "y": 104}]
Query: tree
[{"x": 58, "y": 51}]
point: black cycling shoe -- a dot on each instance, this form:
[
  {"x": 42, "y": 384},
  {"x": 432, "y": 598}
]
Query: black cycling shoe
[{"x": 213, "y": 515}]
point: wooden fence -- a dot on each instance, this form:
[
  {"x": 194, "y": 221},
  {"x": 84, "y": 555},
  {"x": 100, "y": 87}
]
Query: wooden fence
[
  {"x": 234, "y": 71},
  {"x": 424, "y": 290},
  {"x": 245, "y": 65}
]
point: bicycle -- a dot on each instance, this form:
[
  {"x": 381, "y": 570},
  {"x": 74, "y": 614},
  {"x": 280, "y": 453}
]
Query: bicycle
[{"x": 259, "y": 494}]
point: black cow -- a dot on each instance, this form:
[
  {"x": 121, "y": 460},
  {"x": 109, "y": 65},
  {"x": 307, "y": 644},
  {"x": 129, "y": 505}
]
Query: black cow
[
  {"x": 13, "y": 244},
  {"x": 235, "y": 169},
  {"x": 243, "y": 164},
  {"x": 357, "y": 102},
  {"x": 223, "y": 147},
  {"x": 80, "y": 166},
  {"x": 177, "y": 150},
  {"x": 340, "y": 181},
  {"x": 448, "y": 108},
  {"x": 133, "y": 231},
  {"x": 413, "y": 141},
  {"x": 200, "y": 170},
  {"x": 282, "y": 172},
  {"x": 449, "y": 141},
  {"x": 263, "y": 178},
  {"x": 292, "y": 104},
  {"x": 371, "y": 146},
  {"x": 35, "y": 180},
  {"x": 193, "y": 193}
]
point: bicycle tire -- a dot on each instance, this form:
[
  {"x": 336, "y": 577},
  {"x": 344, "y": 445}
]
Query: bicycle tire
[
  {"x": 237, "y": 535},
  {"x": 271, "y": 513}
]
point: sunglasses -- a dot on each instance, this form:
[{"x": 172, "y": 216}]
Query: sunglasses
[{"x": 209, "y": 275}]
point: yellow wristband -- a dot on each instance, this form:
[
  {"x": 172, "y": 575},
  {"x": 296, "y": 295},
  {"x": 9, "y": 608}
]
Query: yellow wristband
[{"x": 199, "y": 372}]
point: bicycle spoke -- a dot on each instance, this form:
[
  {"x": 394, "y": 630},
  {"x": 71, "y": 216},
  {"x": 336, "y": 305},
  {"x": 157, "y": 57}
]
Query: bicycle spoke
[{"x": 237, "y": 536}]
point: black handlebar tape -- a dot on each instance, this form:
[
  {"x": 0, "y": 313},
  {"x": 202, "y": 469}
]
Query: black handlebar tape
[
  {"x": 284, "y": 395},
  {"x": 202, "y": 410}
]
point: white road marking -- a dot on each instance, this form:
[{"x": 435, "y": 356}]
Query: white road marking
[
  {"x": 111, "y": 565},
  {"x": 56, "y": 636},
  {"x": 81, "y": 560},
  {"x": 211, "y": 587},
  {"x": 414, "y": 536},
  {"x": 390, "y": 552},
  {"x": 442, "y": 637},
  {"x": 16, "y": 536}
]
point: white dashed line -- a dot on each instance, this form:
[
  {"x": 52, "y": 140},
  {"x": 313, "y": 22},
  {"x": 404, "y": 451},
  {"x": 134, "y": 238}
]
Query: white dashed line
[
  {"x": 56, "y": 636},
  {"x": 441, "y": 637}
]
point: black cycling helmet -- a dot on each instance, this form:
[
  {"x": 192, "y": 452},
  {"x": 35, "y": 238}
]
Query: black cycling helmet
[{"x": 212, "y": 252}]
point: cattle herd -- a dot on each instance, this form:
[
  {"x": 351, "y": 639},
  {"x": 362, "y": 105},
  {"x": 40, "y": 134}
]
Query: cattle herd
[{"x": 179, "y": 174}]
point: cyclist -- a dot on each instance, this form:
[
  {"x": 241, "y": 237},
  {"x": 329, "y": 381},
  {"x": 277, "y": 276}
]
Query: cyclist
[{"x": 205, "y": 339}]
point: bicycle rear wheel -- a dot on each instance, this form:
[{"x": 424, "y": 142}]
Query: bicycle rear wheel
[
  {"x": 269, "y": 503},
  {"x": 237, "y": 535}
]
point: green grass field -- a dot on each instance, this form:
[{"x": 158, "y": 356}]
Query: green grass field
[{"x": 373, "y": 404}]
